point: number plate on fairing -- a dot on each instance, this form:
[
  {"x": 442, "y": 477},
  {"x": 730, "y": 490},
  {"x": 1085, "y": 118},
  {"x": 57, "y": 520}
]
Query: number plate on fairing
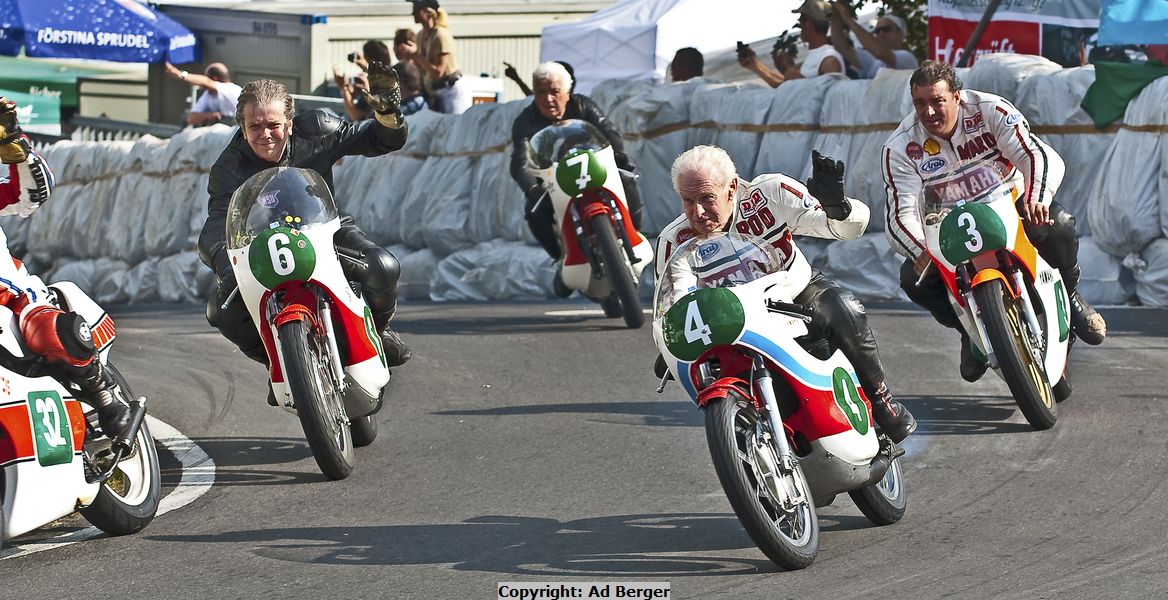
[
  {"x": 704, "y": 318},
  {"x": 281, "y": 254},
  {"x": 969, "y": 230},
  {"x": 50, "y": 428}
]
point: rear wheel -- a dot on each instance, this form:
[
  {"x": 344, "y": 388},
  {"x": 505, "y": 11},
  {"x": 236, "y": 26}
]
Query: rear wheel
[
  {"x": 616, "y": 264},
  {"x": 317, "y": 400},
  {"x": 776, "y": 509},
  {"x": 1018, "y": 354},
  {"x": 885, "y": 501},
  {"x": 128, "y": 500}
]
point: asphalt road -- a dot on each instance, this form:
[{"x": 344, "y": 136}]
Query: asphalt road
[{"x": 523, "y": 446}]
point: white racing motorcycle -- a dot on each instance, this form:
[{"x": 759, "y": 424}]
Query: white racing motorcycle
[
  {"x": 788, "y": 425},
  {"x": 327, "y": 363},
  {"x": 53, "y": 458}
]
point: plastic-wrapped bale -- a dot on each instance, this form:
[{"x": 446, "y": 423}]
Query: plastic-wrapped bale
[
  {"x": 655, "y": 126},
  {"x": 844, "y": 106},
  {"x": 611, "y": 93},
  {"x": 408, "y": 169},
  {"x": 15, "y": 231},
  {"x": 866, "y": 266},
  {"x": 141, "y": 285},
  {"x": 94, "y": 217},
  {"x": 364, "y": 189},
  {"x": 52, "y": 227},
  {"x": 1002, "y": 73},
  {"x": 110, "y": 283},
  {"x": 149, "y": 155},
  {"x": 417, "y": 268},
  {"x": 175, "y": 217},
  {"x": 182, "y": 278},
  {"x": 1151, "y": 274},
  {"x": 730, "y": 116},
  {"x": 1050, "y": 102},
  {"x": 59, "y": 156},
  {"x": 791, "y": 126},
  {"x": 186, "y": 149},
  {"x": 210, "y": 144},
  {"x": 81, "y": 272},
  {"x": 494, "y": 270},
  {"x": 496, "y": 204},
  {"x": 1104, "y": 280},
  {"x": 814, "y": 250},
  {"x": 1124, "y": 207},
  {"x": 128, "y": 210}
]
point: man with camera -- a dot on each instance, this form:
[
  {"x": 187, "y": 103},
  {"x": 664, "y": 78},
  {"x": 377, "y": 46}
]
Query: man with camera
[{"x": 821, "y": 57}]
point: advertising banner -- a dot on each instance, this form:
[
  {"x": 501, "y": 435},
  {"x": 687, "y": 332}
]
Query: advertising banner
[{"x": 1056, "y": 29}]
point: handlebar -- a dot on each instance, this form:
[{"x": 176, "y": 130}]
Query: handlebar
[{"x": 791, "y": 310}]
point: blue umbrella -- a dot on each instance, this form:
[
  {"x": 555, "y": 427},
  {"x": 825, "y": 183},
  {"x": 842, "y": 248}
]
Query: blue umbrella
[{"x": 115, "y": 30}]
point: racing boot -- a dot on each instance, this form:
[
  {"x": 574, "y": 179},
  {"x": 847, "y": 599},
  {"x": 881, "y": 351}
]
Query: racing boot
[
  {"x": 891, "y": 416},
  {"x": 103, "y": 393},
  {"x": 972, "y": 367},
  {"x": 558, "y": 287},
  {"x": 1088, "y": 324},
  {"x": 397, "y": 353}
]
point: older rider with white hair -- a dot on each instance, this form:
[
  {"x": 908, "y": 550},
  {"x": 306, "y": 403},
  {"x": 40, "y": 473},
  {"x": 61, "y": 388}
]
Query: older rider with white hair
[
  {"x": 774, "y": 207},
  {"x": 553, "y": 102}
]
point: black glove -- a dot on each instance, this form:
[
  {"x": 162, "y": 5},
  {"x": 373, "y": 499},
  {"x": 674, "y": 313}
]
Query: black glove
[
  {"x": 384, "y": 93},
  {"x": 827, "y": 186}
]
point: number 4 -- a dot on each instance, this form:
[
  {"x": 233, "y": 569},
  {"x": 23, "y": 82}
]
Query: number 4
[{"x": 695, "y": 328}]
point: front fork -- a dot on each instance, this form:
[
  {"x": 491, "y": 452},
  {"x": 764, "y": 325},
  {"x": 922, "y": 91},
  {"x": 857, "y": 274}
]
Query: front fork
[
  {"x": 763, "y": 386},
  {"x": 325, "y": 318}
]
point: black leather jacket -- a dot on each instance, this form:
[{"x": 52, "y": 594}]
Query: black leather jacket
[
  {"x": 317, "y": 141},
  {"x": 531, "y": 121}
]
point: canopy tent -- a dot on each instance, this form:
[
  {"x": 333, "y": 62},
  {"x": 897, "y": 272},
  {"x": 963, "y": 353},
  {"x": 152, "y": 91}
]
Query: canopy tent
[
  {"x": 636, "y": 39},
  {"x": 114, "y": 30}
]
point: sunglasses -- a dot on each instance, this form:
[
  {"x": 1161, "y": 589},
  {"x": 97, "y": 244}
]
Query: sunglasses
[{"x": 883, "y": 28}]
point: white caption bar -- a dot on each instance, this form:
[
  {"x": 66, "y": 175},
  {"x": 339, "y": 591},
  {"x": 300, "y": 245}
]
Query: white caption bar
[{"x": 555, "y": 590}]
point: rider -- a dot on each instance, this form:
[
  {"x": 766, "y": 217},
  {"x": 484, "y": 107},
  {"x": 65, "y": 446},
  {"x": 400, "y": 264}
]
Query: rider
[
  {"x": 265, "y": 139},
  {"x": 952, "y": 125},
  {"x": 774, "y": 207},
  {"x": 62, "y": 338},
  {"x": 555, "y": 102}
]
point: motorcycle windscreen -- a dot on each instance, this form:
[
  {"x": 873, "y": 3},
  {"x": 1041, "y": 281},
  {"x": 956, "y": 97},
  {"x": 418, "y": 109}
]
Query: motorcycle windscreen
[
  {"x": 723, "y": 259},
  {"x": 552, "y": 143},
  {"x": 278, "y": 197}
]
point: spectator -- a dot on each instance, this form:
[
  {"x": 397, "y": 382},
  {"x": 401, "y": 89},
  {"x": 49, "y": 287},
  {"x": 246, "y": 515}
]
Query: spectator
[
  {"x": 413, "y": 98},
  {"x": 372, "y": 50},
  {"x": 434, "y": 56},
  {"x": 883, "y": 47},
  {"x": 513, "y": 75},
  {"x": 219, "y": 98},
  {"x": 821, "y": 58},
  {"x": 353, "y": 94},
  {"x": 687, "y": 64}
]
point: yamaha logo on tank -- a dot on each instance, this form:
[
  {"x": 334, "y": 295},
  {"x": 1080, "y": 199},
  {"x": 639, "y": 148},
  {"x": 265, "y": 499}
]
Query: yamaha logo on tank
[{"x": 932, "y": 164}]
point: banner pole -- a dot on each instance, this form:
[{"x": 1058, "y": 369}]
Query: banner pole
[{"x": 986, "y": 17}]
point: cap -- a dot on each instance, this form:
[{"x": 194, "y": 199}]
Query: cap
[
  {"x": 424, "y": 4},
  {"x": 816, "y": 9},
  {"x": 900, "y": 24}
]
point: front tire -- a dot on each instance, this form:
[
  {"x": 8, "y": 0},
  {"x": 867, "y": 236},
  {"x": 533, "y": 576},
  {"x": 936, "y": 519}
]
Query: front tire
[
  {"x": 885, "y": 501},
  {"x": 321, "y": 411},
  {"x": 1019, "y": 360},
  {"x": 616, "y": 263},
  {"x": 128, "y": 500},
  {"x": 746, "y": 466}
]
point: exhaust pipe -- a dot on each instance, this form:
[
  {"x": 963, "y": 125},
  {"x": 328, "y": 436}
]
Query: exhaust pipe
[{"x": 878, "y": 469}]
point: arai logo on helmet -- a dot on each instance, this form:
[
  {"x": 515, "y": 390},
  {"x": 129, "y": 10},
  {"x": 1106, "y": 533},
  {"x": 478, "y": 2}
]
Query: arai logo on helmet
[
  {"x": 269, "y": 199},
  {"x": 707, "y": 250},
  {"x": 932, "y": 164}
]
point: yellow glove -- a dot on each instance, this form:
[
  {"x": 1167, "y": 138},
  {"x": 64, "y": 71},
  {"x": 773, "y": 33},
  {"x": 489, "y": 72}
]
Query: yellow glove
[{"x": 13, "y": 148}]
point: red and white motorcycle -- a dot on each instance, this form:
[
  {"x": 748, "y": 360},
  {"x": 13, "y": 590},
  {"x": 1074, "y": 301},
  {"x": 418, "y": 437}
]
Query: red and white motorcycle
[
  {"x": 603, "y": 253},
  {"x": 53, "y": 459}
]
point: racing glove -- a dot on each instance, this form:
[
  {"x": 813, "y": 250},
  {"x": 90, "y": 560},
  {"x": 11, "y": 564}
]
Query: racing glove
[
  {"x": 14, "y": 147},
  {"x": 827, "y": 186},
  {"x": 384, "y": 95}
]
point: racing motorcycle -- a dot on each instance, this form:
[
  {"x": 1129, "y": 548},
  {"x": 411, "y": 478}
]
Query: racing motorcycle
[
  {"x": 1013, "y": 304},
  {"x": 327, "y": 363},
  {"x": 787, "y": 423},
  {"x": 54, "y": 460},
  {"x": 603, "y": 253}
]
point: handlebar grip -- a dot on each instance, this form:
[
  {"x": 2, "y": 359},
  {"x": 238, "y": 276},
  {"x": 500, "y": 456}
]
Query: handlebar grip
[{"x": 788, "y": 308}]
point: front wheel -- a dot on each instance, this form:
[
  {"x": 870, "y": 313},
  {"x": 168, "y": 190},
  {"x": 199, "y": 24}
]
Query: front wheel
[
  {"x": 128, "y": 500},
  {"x": 1018, "y": 357},
  {"x": 885, "y": 501},
  {"x": 616, "y": 263},
  {"x": 318, "y": 402},
  {"x": 775, "y": 508}
]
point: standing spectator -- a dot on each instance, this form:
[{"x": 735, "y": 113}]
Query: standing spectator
[
  {"x": 883, "y": 48},
  {"x": 821, "y": 58},
  {"x": 434, "y": 57},
  {"x": 371, "y": 51},
  {"x": 218, "y": 100},
  {"x": 687, "y": 64}
]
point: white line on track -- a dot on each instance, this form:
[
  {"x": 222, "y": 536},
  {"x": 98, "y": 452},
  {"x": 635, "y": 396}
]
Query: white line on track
[
  {"x": 584, "y": 312},
  {"x": 198, "y": 475}
]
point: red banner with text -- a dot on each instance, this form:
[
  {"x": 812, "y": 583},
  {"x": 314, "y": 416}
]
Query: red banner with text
[{"x": 947, "y": 38}]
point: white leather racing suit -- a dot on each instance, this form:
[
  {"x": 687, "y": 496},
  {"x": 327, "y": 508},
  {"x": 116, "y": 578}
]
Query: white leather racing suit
[
  {"x": 989, "y": 129},
  {"x": 23, "y": 188}
]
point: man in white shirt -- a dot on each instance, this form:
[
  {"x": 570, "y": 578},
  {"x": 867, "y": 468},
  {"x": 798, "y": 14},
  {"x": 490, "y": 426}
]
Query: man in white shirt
[
  {"x": 219, "y": 96},
  {"x": 883, "y": 47},
  {"x": 821, "y": 57}
]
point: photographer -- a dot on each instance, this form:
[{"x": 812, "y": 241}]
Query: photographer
[{"x": 821, "y": 57}]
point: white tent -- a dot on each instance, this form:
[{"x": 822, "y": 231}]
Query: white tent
[{"x": 636, "y": 39}]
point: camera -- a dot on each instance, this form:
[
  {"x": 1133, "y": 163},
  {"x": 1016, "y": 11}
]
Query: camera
[
  {"x": 353, "y": 56},
  {"x": 744, "y": 50}
]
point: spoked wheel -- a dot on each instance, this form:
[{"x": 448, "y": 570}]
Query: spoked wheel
[
  {"x": 1019, "y": 356},
  {"x": 617, "y": 266},
  {"x": 318, "y": 401},
  {"x": 775, "y": 508},
  {"x": 128, "y": 500},
  {"x": 885, "y": 501}
]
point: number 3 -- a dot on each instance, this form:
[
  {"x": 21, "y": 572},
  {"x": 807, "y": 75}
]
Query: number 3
[
  {"x": 695, "y": 328},
  {"x": 966, "y": 220}
]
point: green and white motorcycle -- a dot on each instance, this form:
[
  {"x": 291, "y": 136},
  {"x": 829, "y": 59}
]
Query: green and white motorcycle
[
  {"x": 1012, "y": 303},
  {"x": 327, "y": 363}
]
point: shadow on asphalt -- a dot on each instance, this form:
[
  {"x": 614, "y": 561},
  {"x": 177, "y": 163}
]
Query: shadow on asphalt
[
  {"x": 678, "y": 544},
  {"x": 235, "y": 459},
  {"x": 663, "y": 414},
  {"x": 537, "y": 323},
  {"x": 964, "y": 415}
]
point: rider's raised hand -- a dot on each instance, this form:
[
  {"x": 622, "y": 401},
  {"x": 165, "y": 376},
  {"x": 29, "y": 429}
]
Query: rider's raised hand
[
  {"x": 14, "y": 147},
  {"x": 384, "y": 94},
  {"x": 827, "y": 185}
]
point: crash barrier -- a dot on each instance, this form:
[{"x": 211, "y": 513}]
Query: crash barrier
[
  {"x": 125, "y": 217},
  {"x": 100, "y": 129}
]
